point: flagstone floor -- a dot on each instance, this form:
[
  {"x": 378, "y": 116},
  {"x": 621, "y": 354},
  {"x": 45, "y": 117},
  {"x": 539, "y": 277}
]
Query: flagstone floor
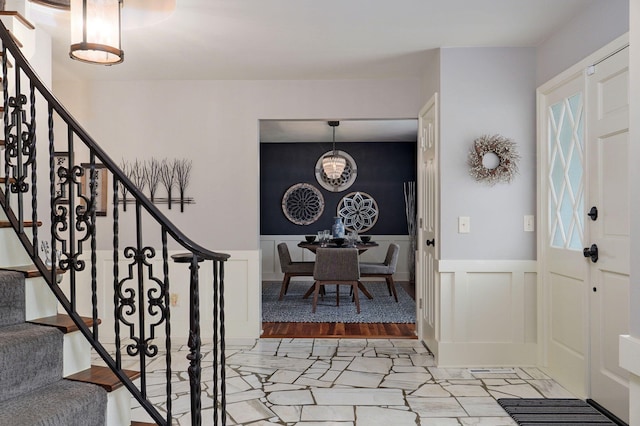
[{"x": 356, "y": 382}]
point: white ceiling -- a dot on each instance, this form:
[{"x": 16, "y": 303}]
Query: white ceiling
[
  {"x": 304, "y": 39},
  {"x": 346, "y": 131}
]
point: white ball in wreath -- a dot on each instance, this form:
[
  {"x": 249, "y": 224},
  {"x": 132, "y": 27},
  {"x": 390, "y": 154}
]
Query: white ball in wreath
[{"x": 493, "y": 159}]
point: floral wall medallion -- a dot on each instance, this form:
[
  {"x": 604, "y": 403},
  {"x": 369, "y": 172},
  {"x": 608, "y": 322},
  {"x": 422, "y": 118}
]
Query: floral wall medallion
[
  {"x": 359, "y": 211},
  {"x": 303, "y": 204},
  {"x": 345, "y": 180}
]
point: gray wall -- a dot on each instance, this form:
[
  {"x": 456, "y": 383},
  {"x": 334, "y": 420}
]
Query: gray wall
[
  {"x": 216, "y": 123},
  {"x": 596, "y": 26},
  {"x": 487, "y": 91},
  {"x": 431, "y": 75}
]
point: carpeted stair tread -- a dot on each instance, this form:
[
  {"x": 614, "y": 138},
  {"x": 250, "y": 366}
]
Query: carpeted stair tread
[
  {"x": 29, "y": 358},
  {"x": 62, "y": 403},
  {"x": 12, "y": 298}
]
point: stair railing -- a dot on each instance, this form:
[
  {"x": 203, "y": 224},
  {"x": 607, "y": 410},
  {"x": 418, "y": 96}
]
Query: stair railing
[{"x": 76, "y": 231}]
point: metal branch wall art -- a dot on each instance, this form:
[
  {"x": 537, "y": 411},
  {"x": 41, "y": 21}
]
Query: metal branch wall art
[{"x": 153, "y": 174}]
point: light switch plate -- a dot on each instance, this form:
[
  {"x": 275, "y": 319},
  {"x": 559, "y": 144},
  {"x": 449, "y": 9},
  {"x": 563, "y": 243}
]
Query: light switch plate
[
  {"x": 529, "y": 223},
  {"x": 464, "y": 224}
]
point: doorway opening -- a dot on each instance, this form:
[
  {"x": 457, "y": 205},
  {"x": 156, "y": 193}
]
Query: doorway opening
[{"x": 384, "y": 159}]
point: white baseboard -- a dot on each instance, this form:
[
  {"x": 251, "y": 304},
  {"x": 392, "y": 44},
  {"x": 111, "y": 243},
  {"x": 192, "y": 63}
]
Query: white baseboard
[{"x": 490, "y": 354}]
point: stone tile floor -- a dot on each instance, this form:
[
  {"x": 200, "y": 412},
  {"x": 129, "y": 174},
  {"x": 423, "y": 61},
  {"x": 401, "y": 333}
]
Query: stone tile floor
[{"x": 352, "y": 382}]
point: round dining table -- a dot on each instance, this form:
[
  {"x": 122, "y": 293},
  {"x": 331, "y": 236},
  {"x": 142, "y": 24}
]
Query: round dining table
[{"x": 362, "y": 247}]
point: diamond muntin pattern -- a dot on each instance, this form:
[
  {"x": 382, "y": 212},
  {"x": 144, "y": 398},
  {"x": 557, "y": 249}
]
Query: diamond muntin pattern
[{"x": 566, "y": 172}]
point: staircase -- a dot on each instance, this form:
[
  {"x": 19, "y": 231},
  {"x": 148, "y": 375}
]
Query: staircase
[
  {"x": 53, "y": 304},
  {"x": 59, "y": 379},
  {"x": 32, "y": 388}
]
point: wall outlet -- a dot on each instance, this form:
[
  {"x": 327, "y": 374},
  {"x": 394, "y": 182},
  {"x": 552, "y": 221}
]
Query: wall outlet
[
  {"x": 529, "y": 223},
  {"x": 464, "y": 224},
  {"x": 173, "y": 299}
]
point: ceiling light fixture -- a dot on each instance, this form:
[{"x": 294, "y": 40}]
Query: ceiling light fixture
[
  {"x": 96, "y": 31},
  {"x": 334, "y": 164}
]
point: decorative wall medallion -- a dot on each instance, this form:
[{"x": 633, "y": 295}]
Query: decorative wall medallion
[
  {"x": 344, "y": 181},
  {"x": 359, "y": 211},
  {"x": 502, "y": 151},
  {"x": 303, "y": 204}
]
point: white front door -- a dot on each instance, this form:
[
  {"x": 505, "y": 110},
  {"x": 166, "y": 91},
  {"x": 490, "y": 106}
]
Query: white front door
[
  {"x": 608, "y": 177},
  {"x": 583, "y": 126},
  {"x": 428, "y": 225}
]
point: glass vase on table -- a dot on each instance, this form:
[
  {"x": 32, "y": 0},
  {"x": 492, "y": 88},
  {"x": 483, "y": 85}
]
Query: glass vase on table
[{"x": 326, "y": 237}]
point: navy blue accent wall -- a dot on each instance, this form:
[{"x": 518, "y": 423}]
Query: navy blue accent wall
[{"x": 383, "y": 167}]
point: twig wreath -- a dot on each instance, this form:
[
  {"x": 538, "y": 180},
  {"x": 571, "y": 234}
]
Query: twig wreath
[{"x": 504, "y": 149}]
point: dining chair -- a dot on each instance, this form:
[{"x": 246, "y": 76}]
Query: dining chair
[
  {"x": 291, "y": 269},
  {"x": 384, "y": 269},
  {"x": 336, "y": 266}
]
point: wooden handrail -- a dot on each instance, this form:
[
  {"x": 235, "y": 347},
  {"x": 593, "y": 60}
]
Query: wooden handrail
[{"x": 19, "y": 17}]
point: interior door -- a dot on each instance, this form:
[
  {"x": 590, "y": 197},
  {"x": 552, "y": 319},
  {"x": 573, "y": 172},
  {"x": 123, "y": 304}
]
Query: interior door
[
  {"x": 608, "y": 199},
  {"x": 428, "y": 225}
]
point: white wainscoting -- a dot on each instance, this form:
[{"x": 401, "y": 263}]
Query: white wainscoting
[
  {"x": 271, "y": 264},
  {"x": 487, "y": 313},
  {"x": 242, "y": 294}
]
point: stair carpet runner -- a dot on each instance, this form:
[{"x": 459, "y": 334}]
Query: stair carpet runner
[{"x": 32, "y": 390}]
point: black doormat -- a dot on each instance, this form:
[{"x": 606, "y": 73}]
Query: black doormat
[{"x": 561, "y": 411}]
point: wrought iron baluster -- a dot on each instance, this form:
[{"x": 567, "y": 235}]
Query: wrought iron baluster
[
  {"x": 52, "y": 193},
  {"x": 167, "y": 324},
  {"x": 194, "y": 343},
  {"x": 92, "y": 213},
  {"x": 5, "y": 104},
  {"x": 141, "y": 312},
  {"x": 223, "y": 386},
  {"x": 116, "y": 274},
  {"x": 17, "y": 121},
  {"x": 69, "y": 246},
  {"x": 215, "y": 342},
  {"x": 34, "y": 168}
]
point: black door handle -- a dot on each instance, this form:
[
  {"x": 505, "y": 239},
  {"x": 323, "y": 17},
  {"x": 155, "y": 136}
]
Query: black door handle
[
  {"x": 591, "y": 252},
  {"x": 593, "y": 213},
  {"x": 431, "y": 242}
]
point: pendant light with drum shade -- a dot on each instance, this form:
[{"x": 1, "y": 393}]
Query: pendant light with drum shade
[
  {"x": 96, "y": 31},
  {"x": 334, "y": 163}
]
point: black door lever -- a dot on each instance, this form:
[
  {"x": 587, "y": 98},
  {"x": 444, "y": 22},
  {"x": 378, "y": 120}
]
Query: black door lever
[{"x": 591, "y": 252}]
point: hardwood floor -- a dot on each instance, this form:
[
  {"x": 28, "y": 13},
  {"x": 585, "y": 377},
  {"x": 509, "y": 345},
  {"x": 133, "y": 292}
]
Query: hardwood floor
[{"x": 325, "y": 330}]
